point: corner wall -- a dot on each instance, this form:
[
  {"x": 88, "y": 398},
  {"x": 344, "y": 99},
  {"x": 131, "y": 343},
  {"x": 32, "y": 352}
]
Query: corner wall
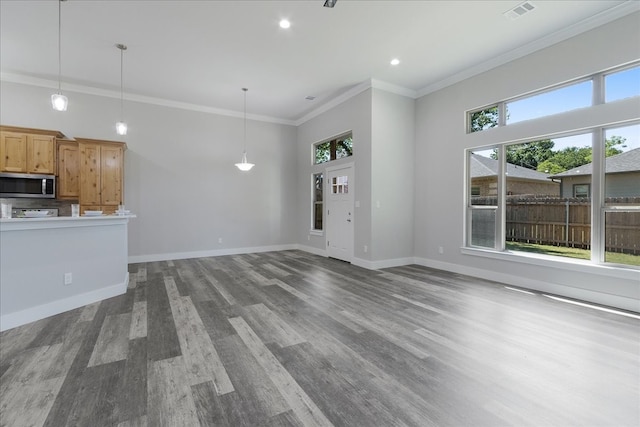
[
  {"x": 180, "y": 177},
  {"x": 441, "y": 141}
]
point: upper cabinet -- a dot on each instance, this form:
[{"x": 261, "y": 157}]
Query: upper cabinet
[
  {"x": 68, "y": 184},
  {"x": 24, "y": 150},
  {"x": 101, "y": 174}
]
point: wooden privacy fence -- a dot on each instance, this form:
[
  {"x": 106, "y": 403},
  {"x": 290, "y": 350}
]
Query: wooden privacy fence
[{"x": 566, "y": 222}]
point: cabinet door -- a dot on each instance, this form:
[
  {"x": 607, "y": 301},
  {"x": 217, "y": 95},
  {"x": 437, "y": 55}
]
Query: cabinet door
[
  {"x": 68, "y": 170},
  {"x": 89, "y": 174},
  {"x": 40, "y": 154},
  {"x": 13, "y": 152},
  {"x": 111, "y": 172}
]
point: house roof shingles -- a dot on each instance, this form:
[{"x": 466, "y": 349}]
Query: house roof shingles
[
  {"x": 484, "y": 167},
  {"x": 629, "y": 161}
]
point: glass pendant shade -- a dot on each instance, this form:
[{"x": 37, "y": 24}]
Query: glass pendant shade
[
  {"x": 121, "y": 128},
  {"x": 59, "y": 102},
  {"x": 244, "y": 166}
]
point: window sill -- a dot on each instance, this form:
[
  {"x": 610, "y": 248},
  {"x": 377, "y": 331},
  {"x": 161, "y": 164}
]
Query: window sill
[
  {"x": 578, "y": 265},
  {"x": 316, "y": 232}
]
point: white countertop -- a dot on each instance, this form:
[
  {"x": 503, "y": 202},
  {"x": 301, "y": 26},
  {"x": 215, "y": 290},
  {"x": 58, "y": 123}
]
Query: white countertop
[{"x": 15, "y": 224}]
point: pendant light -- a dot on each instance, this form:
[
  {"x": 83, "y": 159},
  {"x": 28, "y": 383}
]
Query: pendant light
[
  {"x": 245, "y": 166},
  {"x": 59, "y": 102},
  {"x": 121, "y": 126}
]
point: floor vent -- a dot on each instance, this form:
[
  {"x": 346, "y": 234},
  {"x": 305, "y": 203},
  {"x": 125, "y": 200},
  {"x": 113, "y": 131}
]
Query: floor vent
[{"x": 519, "y": 10}]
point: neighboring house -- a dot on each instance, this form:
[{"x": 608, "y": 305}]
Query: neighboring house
[
  {"x": 622, "y": 177},
  {"x": 520, "y": 181}
]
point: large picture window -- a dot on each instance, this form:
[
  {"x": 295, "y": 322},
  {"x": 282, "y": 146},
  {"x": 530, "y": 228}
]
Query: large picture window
[{"x": 573, "y": 195}]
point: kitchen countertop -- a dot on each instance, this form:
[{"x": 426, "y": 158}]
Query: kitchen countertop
[{"x": 15, "y": 224}]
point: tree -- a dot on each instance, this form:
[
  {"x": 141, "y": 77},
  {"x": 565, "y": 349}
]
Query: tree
[
  {"x": 528, "y": 155},
  {"x": 335, "y": 149},
  {"x": 572, "y": 157},
  {"x": 484, "y": 119}
]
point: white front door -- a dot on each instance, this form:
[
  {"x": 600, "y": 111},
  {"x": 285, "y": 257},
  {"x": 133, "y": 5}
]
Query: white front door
[{"x": 340, "y": 213}]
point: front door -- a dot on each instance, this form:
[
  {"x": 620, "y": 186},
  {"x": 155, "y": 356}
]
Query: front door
[{"x": 340, "y": 213}]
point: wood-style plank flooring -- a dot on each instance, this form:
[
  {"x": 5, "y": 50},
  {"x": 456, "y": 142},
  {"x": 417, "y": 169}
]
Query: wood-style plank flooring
[{"x": 292, "y": 339}]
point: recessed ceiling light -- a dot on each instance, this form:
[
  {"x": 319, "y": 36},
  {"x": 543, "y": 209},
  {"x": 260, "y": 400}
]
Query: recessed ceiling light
[
  {"x": 395, "y": 61},
  {"x": 285, "y": 24}
]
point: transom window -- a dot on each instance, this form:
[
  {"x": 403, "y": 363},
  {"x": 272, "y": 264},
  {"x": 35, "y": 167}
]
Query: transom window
[
  {"x": 333, "y": 149},
  {"x": 619, "y": 83}
]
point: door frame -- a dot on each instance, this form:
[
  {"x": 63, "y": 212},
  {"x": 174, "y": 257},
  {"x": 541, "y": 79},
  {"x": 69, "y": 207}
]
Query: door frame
[{"x": 327, "y": 190}]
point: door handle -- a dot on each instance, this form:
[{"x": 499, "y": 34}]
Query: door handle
[{"x": 349, "y": 220}]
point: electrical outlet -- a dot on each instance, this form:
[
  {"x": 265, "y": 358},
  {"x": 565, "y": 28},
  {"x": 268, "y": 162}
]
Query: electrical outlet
[
  {"x": 440, "y": 250},
  {"x": 219, "y": 239},
  {"x": 68, "y": 278},
  {"x": 366, "y": 248}
]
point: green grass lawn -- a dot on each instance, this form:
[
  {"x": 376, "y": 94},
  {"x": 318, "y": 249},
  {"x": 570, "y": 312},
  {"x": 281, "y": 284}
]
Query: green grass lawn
[{"x": 612, "y": 257}]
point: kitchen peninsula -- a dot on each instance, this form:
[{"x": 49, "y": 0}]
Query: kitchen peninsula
[{"x": 54, "y": 264}]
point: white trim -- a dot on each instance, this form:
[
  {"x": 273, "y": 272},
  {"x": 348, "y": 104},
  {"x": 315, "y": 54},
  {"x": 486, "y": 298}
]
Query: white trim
[
  {"x": 312, "y": 250},
  {"x": 345, "y": 96},
  {"x": 385, "y": 263},
  {"x": 89, "y": 90},
  {"x": 622, "y": 302},
  {"x": 598, "y": 20},
  {"x": 208, "y": 253},
  {"x": 550, "y": 261},
  {"x": 391, "y": 88},
  {"x": 626, "y": 8},
  {"x": 12, "y": 320}
]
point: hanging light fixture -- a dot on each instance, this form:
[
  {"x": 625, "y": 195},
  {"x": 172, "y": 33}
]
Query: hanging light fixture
[
  {"x": 121, "y": 126},
  {"x": 59, "y": 102},
  {"x": 245, "y": 166}
]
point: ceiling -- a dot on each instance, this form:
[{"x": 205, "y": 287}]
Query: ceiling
[{"x": 199, "y": 54}]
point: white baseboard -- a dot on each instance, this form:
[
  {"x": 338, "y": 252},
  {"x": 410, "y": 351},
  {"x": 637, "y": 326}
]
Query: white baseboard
[
  {"x": 312, "y": 250},
  {"x": 22, "y": 317},
  {"x": 385, "y": 263},
  {"x": 208, "y": 253},
  {"x": 622, "y": 302}
]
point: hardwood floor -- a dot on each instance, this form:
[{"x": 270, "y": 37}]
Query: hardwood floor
[{"x": 293, "y": 339}]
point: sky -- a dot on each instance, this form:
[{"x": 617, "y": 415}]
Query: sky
[{"x": 619, "y": 85}]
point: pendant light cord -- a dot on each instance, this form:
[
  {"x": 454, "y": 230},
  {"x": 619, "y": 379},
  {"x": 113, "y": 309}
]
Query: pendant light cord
[
  {"x": 245, "y": 118},
  {"x": 59, "y": 46},
  {"x": 121, "y": 85}
]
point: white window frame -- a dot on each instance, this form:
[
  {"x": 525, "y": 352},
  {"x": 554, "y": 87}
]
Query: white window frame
[{"x": 598, "y": 207}]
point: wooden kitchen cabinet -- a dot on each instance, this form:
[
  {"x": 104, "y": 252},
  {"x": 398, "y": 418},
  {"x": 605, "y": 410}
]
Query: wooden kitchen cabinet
[
  {"x": 24, "y": 150},
  {"x": 101, "y": 175},
  {"x": 68, "y": 183}
]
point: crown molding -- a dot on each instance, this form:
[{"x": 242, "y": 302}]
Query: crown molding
[
  {"x": 350, "y": 93},
  {"x": 398, "y": 90},
  {"x": 89, "y": 90},
  {"x": 623, "y": 9}
]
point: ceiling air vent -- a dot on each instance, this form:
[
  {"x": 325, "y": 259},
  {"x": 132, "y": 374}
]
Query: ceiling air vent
[{"x": 519, "y": 10}]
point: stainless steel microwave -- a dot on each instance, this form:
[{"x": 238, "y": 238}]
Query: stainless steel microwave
[{"x": 27, "y": 185}]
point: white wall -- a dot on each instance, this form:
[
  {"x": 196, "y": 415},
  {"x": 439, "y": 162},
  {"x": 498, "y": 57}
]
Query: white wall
[
  {"x": 441, "y": 140},
  {"x": 352, "y": 115},
  {"x": 180, "y": 177},
  {"x": 392, "y": 172}
]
